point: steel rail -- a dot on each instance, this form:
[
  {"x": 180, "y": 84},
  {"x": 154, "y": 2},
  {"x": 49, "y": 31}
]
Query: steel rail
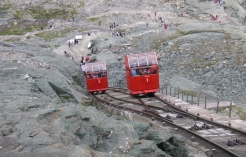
[{"x": 161, "y": 119}]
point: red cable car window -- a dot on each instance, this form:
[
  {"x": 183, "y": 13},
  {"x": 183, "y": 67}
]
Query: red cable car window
[
  {"x": 152, "y": 58},
  {"x": 95, "y": 70},
  {"x": 88, "y": 69},
  {"x": 95, "y": 67},
  {"x": 102, "y": 66},
  {"x": 143, "y": 64},
  {"x": 143, "y": 61},
  {"x": 133, "y": 61}
]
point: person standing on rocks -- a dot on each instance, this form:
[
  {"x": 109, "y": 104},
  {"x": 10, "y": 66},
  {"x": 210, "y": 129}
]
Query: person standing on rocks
[
  {"x": 66, "y": 53},
  {"x": 87, "y": 59},
  {"x": 82, "y": 59},
  {"x": 80, "y": 64}
]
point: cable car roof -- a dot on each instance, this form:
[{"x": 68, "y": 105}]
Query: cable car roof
[
  {"x": 95, "y": 67},
  {"x": 142, "y": 59}
]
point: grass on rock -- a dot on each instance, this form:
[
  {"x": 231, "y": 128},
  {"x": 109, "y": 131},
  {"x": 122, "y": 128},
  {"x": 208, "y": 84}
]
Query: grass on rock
[{"x": 51, "y": 34}]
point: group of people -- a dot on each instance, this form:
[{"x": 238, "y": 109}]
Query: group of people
[
  {"x": 112, "y": 26},
  {"x": 163, "y": 22},
  {"x": 144, "y": 70},
  {"x": 220, "y": 2},
  {"x": 83, "y": 61},
  {"x": 73, "y": 42},
  {"x": 121, "y": 34},
  {"x": 96, "y": 75}
]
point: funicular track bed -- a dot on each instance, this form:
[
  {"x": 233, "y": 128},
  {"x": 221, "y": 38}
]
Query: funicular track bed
[{"x": 218, "y": 140}]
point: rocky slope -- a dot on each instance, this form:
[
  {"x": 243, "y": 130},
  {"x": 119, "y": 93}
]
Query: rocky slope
[{"x": 42, "y": 113}]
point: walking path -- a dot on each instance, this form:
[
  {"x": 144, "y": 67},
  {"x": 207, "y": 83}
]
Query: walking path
[{"x": 204, "y": 113}]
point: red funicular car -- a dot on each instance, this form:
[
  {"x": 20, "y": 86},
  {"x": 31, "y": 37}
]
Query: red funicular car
[
  {"x": 96, "y": 77},
  {"x": 142, "y": 73}
]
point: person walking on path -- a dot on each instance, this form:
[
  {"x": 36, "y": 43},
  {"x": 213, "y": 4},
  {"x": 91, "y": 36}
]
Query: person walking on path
[
  {"x": 147, "y": 24},
  {"x": 155, "y": 14},
  {"x": 69, "y": 43},
  {"x": 165, "y": 26}
]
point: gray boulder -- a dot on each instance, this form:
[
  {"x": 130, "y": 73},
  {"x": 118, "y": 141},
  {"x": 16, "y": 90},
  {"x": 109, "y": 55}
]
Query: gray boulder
[
  {"x": 175, "y": 146},
  {"x": 141, "y": 129}
]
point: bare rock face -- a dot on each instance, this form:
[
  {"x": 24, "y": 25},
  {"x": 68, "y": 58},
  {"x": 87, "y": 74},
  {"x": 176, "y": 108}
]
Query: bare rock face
[
  {"x": 42, "y": 110},
  {"x": 172, "y": 144},
  {"x": 41, "y": 115}
]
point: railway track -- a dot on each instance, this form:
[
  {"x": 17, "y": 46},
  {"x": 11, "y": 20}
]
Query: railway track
[{"x": 218, "y": 140}]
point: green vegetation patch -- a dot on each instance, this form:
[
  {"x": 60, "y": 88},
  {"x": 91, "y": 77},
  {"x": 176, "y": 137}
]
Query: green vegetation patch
[
  {"x": 212, "y": 63},
  {"x": 99, "y": 23},
  {"x": 93, "y": 19},
  {"x": 13, "y": 39},
  {"x": 82, "y": 30},
  {"x": 82, "y": 3},
  {"x": 87, "y": 103},
  {"x": 40, "y": 13},
  {"x": 158, "y": 40},
  {"x": 189, "y": 92},
  {"x": 18, "y": 14},
  {"x": 236, "y": 109},
  {"x": 240, "y": 112},
  {"x": 18, "y": 30},
  {"x": 5, "y": 6},
  {"x": 48, "y": 35},
  {"x": 51, "y": 34}
]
